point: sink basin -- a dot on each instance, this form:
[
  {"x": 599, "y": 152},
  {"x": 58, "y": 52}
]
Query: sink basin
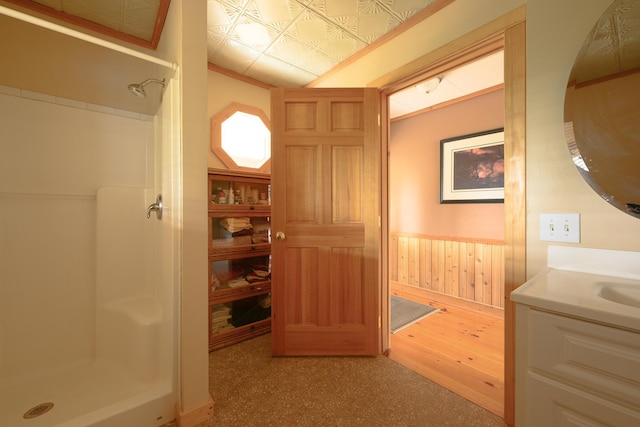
[{"x": 621, "y": 294}]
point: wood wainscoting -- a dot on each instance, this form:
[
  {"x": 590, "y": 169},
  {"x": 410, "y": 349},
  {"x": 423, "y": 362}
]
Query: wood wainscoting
[{"x": 470, "y": 269}]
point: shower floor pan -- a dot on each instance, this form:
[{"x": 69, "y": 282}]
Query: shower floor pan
[{"x": 86, "y": 393}]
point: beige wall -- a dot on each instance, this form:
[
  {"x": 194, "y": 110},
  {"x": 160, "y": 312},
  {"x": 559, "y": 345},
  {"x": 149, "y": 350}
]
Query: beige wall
[
  {"x": 184, "y": 41},
  {"x": 414, "y": 172},
  {"x": 555, "y": 32},
  {"x": 223, "y": 90}
]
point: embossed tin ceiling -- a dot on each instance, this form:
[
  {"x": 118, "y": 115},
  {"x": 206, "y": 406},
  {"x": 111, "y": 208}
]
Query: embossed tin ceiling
[
  {"x": 292, "y": 42},
  {"x": 286, "y": 43},
  {"x": 278, "y": 42},
  {"x": 136, "y": 18}
]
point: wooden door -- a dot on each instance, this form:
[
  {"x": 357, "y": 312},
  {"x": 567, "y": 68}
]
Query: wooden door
[{"x": 325, "y": 202}]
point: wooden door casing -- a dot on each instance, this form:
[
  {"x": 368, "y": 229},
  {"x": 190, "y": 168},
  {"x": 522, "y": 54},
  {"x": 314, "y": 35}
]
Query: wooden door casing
[{"x": 325, "y": 199}]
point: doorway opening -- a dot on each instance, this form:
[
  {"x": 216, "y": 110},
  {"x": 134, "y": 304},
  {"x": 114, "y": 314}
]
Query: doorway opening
[{"x": 443, "y": 254}]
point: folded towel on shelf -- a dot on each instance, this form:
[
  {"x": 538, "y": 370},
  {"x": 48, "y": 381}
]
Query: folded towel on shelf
[
  {"x": 237, "y": 282},
  {"x": 220, "y": 310},
  {"x": 220, "y": 316},
  {"x": 224, "y": 271},
  {"x": 236, "y": 224}
]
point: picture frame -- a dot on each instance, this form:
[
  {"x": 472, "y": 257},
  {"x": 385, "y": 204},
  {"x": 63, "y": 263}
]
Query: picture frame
[{"x": 472, "y": 168}]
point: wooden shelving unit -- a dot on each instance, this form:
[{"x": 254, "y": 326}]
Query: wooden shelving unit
[{"x": 239, "y": 257}]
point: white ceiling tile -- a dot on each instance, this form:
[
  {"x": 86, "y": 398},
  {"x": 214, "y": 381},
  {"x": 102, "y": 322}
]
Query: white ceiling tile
[
  {"x": 317, "y": 62},
  {"x": 235, "y": 56},
  {"x": 289, "y": 50},
  {"x": 274, "y": 10},
  {"x": 214, "y": 41},
  {"x": 253, "y": 34},
  {"x": 310, "y": 30},
  {"x": 103, "y": 12},
  {"x": 342, "y": 48},
  {"x": 139, "y": 22},
  {"x": 280, "y": 73},
  {"x": 373, "y": 25},
  {"x": 335, "y": 8},
  {"x": 408, "y": 5},
  {"x": 238, "y": 4},
  {"x": 141, "y": 4},
  {"x": 217, "y": 15}
]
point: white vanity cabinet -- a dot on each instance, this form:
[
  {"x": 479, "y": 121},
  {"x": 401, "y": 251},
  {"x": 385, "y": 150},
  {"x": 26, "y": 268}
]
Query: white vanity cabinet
[{"x": 575, "y": 372}]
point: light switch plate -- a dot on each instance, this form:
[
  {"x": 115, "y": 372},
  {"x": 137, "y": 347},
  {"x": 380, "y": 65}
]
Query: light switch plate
[{"x": 560, "y": 227}]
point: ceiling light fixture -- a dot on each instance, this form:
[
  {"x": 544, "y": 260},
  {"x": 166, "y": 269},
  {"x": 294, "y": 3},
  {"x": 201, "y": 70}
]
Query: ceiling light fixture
[{"x": 429, "y": 85}]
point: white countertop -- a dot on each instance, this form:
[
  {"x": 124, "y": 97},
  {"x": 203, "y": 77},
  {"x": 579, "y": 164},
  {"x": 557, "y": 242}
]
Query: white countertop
[{"x": 576, "y": 293}]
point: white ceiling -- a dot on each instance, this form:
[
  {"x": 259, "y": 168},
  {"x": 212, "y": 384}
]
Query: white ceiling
[
  {"x": 286, "y": 43},
  {"x": 292, "y": 42},
  {"x": 136, "y": 18},
  {"x": 484, "y": 73}
]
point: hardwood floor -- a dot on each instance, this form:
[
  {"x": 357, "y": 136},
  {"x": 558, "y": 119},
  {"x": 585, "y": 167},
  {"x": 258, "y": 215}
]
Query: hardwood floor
[{"x": 459, "y": 347}]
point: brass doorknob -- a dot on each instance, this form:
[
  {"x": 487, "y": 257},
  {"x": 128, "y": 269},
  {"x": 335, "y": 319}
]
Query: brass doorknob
[{"x": 280, "y": 235}]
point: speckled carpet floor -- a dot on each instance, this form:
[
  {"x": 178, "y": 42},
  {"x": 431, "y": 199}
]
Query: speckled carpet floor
[{"x": 251, "y": 388}]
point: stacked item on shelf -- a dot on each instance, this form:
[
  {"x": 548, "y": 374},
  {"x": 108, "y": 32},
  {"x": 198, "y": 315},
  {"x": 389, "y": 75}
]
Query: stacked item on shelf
[
  {"x": 224, "y": 272},
  {"x": 258, "y": 273},
  {"x": 250, "y": 310},
  {"x": 237, "y": 231},
  {"x": 220, "y": 316},
  {"x": 236, "y": 225},
  {"x": 261, "y": 230},
  {"x": 239, "y": 275}
]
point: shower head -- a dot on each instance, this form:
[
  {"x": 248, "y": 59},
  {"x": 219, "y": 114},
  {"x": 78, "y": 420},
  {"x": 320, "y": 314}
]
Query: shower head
[{"x": 138, "y": 88}]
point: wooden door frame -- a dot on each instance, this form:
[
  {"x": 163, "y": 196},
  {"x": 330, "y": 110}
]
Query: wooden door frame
[{"x": 505, "y": 33}]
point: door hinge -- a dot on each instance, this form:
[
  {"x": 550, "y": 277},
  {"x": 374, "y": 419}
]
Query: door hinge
[
  {"x": 379, "y": 120},
  {"x": 379, "y": 322}
]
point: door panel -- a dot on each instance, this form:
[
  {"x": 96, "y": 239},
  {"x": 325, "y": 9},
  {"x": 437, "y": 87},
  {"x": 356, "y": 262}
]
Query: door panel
[{"x": 325, "y": 199}]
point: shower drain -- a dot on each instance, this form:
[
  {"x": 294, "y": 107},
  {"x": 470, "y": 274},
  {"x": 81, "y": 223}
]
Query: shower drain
[{"x": 38, "y": 410}]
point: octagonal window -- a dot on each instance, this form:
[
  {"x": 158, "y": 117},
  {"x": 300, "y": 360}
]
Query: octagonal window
[
  {"x": 241, "y": 138},
  {"x": 246, "y": 139}
]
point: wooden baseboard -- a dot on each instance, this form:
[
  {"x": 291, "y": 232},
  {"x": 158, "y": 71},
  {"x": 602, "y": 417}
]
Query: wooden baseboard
[
  {"x": 195, "y": 416},
  {"x": 436, "y": 297}
]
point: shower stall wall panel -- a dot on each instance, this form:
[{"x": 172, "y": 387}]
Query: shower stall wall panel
[
  {"x": 74, "y": 185},
  {"x": 55, "y": 159}
]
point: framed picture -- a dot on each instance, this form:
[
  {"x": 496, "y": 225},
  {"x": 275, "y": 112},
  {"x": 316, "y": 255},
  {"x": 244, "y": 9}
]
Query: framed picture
[{"x": 472, "y": 168}]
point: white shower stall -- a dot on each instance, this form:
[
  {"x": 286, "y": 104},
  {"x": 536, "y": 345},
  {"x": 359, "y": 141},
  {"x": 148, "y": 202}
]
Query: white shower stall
[{"x": 88, "y": 298}]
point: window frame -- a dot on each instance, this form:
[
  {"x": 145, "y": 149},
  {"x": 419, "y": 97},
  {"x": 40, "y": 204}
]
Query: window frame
[{"x": 216, "y": 135}]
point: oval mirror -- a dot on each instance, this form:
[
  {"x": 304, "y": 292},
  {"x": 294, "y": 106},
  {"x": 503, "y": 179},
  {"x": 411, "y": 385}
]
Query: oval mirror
[{"x": 602, "y": 107}]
